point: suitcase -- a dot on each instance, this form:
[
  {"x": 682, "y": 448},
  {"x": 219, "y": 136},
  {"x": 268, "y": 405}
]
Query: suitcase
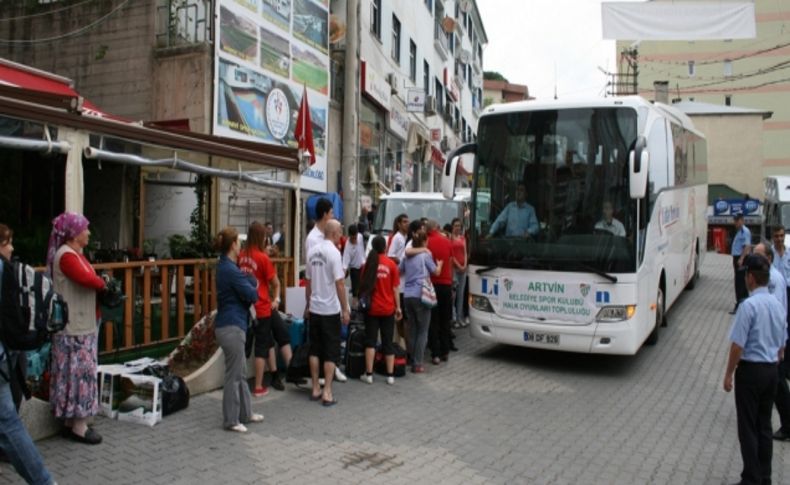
[
  {"x": 355, "y": 352},
  {"x": 296, "y": 330},
  {"x": 399, "y": 370}
]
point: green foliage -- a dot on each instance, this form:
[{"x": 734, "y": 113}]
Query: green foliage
[{"x": 493, "y": 76}]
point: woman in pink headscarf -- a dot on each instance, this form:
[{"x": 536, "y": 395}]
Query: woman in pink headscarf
[{"x": 73, "y": 390}]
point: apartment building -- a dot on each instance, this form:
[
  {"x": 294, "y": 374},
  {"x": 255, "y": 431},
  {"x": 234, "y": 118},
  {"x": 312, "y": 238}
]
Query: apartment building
[
  {"x": 748, "y": 73},
  {"x": 421, "y": 90}
]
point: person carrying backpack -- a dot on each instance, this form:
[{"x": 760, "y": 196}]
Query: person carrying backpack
[
  {"x": 380, "y": 283},
  {"x": 15, "y": 441},
  {"x": 73, "y": 388}
]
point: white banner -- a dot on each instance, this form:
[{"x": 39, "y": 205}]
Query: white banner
[
  {"x": 552, "y": 300},
  {"x": 266, "y": 51},
  {"x": 714, "y": 20}
]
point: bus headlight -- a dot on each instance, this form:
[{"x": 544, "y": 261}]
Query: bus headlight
[
  {"x": 616, "y": 313},
  {"x": 481, "y": 303}
]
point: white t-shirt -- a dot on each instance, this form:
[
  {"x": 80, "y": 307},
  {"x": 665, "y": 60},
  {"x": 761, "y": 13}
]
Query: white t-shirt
[
  {"x": 616, "y": 227},
  {"x": 397, "y": 246},
  {"x": 324, "y": 268},
  {"x": 354, "y": 254}
]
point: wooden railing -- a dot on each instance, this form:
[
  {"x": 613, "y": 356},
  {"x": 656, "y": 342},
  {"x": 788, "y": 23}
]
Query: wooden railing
[{"x": 189, "y": 288}]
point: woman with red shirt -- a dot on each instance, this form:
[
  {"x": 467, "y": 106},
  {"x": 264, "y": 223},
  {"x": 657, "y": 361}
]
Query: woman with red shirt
[
  {"x": 254, "y": 260},
  {"x": 73, "y": 393},
  {"x": 380, "y": 283}
]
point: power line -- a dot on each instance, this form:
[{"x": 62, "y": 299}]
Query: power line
[
  {"x": 70, "y": 34},
  {"x": 719, "y": 61},
  {"x": 691, "y": 89},
  {"x": 49, "y": 12}
]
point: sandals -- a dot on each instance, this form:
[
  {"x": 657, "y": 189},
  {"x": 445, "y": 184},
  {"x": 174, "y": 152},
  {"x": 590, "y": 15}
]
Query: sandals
[{"x": 327, "y": 404}]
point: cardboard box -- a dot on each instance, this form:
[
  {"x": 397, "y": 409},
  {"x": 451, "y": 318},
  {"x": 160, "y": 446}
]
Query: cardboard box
[
  {"x": 140, "y": 399},
  {"x": 109, "y": 380}
]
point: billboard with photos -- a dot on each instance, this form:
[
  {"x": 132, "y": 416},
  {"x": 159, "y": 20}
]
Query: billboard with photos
[{"x": 268, "y": 50}]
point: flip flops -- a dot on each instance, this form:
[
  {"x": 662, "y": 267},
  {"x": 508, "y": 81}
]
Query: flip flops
[{"x": 327, "y": 404}]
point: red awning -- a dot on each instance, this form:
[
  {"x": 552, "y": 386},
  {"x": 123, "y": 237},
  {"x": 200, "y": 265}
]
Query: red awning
[{"x": 21, "y": 76}]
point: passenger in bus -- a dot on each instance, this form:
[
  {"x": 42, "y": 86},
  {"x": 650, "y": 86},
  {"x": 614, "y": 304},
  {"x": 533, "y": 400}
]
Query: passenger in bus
[
  {"x": 608, "y": 222},
  {"x": 517, "y": 218}
]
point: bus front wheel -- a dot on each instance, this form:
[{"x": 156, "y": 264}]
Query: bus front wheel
[{"x": 652, "y": 339}]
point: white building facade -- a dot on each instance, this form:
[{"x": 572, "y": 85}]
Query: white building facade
[{"x": 421, "y": 90}]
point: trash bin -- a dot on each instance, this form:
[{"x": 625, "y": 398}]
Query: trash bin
[{"x": 720, "y": 240}]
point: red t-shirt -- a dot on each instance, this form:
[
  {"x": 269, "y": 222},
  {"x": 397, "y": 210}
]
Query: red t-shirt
[
  {"x": 442, "y": 250},
  {"x": 258, "y": 264},
  {"x": 382, "y": 301},
  {"x": 459, "y": 249}
]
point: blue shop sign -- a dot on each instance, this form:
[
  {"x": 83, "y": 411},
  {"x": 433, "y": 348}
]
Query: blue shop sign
[{"x": 735, "y": 206}]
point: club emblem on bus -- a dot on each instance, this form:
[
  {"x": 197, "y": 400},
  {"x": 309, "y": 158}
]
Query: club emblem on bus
[
  {"x": 490, "y": 287},
  {"x": 585, "y": 289},
  {"x": 508, "y": 284}
]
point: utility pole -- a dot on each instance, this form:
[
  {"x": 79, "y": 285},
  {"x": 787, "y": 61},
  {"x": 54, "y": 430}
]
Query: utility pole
[{"x": 348, "y": 162}]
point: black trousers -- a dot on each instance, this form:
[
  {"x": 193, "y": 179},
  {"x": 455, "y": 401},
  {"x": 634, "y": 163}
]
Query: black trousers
[
  {"x": 441, "y": 315},
  {"x": 741, "y": 293},
  {"x": 755, "y": 387},
  {"x": 782, "y": 399}
]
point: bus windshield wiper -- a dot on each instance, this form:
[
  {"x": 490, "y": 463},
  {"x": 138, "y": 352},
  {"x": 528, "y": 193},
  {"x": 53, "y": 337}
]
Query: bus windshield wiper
[{"x": 593, "y": 269}]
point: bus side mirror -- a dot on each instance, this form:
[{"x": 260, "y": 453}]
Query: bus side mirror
[
  {"x": 638, "y": 164},
  {"x": 451, "y": 168}
]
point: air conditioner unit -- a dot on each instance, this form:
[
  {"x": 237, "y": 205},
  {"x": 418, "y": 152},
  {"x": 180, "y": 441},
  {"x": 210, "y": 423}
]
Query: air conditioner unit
[
  {"x": 463, "y": 55},
  {"x": 392, "y": 80},
  {"x": 430, "y": 105}
]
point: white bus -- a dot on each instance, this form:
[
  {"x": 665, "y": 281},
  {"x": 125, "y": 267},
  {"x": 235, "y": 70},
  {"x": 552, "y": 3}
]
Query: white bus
[{"x": 579, "y": 281}]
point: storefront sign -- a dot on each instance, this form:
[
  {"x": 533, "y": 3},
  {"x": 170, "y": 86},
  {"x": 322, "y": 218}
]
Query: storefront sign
[
  {"x": 415, "y": 101},
  {"x": 375, "y": 87},
  {"x": 450, "y": 84},
  {"x": 399, "y": 122},
  {"x": 544, "y": 299},
  {"x": 735, "y": 206}
]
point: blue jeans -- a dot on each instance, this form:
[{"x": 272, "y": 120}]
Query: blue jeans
[
  {"x": 14, "y": 438},
  {"x": 459, "y": 282}
]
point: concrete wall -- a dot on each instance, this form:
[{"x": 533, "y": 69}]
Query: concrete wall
[
  {"x": 110, "y": 63},
  {"x": 735, "y": 151}
]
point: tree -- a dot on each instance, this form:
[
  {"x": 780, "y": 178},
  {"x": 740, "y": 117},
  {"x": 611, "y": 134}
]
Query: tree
[{"x": 493, "y": 76}]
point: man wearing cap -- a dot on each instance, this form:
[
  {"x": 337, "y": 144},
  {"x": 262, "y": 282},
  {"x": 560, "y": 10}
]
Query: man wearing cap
[
  {"x": 741, "y": 247},
  {"x": 758, "y": 337}
]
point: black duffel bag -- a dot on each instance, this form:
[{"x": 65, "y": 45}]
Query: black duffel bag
[{"x": 175, "y": 394}]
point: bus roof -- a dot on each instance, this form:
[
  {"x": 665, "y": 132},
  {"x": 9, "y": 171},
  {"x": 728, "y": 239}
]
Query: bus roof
[{"x": 614, "y": 102}]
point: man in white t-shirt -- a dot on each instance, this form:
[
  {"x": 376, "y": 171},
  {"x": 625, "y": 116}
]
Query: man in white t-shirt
[
  {"x": 608, "y": 222},
  {"x": 328, "y": 307},
  {"x": 396, "y": 250}
]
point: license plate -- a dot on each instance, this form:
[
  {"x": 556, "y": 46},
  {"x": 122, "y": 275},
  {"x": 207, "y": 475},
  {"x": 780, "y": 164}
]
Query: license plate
[{"x": 542, "y": 338}]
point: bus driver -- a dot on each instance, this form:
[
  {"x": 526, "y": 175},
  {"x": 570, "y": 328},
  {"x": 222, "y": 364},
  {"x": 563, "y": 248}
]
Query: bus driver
[
  {"x": 518, "y": 217},
  {"x": 608, "y": 222}
]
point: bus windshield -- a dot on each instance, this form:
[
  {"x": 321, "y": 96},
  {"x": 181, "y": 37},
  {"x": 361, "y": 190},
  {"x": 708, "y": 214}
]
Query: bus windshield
[
  {"x": 786, "y": 216},
  {"x": 551, "y": 190},
  {"x": 442, "y": 211}
]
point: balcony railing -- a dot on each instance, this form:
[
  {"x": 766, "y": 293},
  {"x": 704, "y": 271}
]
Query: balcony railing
[
  {"x": 164, "y": 298},
  {"x": 183, "y": 22}
]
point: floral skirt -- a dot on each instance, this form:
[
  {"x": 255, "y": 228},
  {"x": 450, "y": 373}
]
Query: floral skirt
[{"x": 73, "y": 392}]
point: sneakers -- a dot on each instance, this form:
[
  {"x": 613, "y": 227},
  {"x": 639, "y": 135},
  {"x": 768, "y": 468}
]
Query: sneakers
[
  {"x": 260, "y": 391},
  {"x": 339, "y": 376},
  {"x": 277, "y": 382},
  {"x": 435, "y": 361},
  {"x": 366, "y": 378},
  {"x": 456, "y": 324},
  {"x": 256, "y": 418},
  {"x": 321, "y": 382},
  {"x": 418, "y": 369},
  {"x": 238, "y": 428},
  {"x": 390, "y": 380}
]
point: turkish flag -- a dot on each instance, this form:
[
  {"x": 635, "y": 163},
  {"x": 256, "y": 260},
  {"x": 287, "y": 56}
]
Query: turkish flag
[{"x": 304, "y": 130}]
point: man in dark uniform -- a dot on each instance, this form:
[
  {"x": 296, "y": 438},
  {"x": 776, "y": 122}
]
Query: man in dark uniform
[
  {"x": 741, "y": 247},
  {"x": 758, "y": 338}
]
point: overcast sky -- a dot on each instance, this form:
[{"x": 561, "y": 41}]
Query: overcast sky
[{"x": 528, "y": 39}]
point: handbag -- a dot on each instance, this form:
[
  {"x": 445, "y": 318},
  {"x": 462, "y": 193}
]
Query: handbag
[{"x": 427, "y": 292}]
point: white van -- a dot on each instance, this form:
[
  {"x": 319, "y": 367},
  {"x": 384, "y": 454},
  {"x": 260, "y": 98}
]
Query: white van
[
  {"x": 777, "y": 205},
  {"x": 417, "y": 205}
]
